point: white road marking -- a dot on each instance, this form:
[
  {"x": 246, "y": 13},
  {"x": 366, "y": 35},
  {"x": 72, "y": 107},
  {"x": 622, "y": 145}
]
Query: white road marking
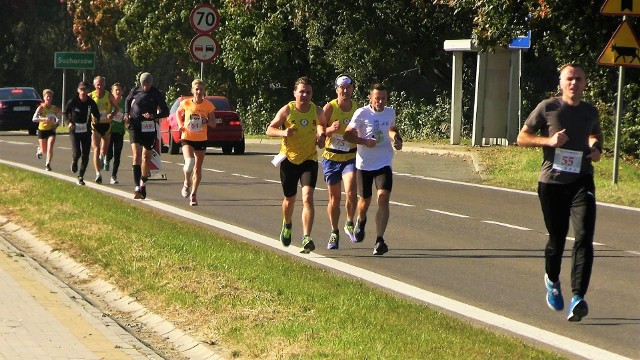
[
  {"x": 448, "y": 213},
  {"x": 633, "y": 252},
  {"x": 561, "y": 342},
  {"x": 17, "y": 142},
  {"x": 214, "y": 170},
  {"x": 506, "y": 225},
  {"x": 272, "y": 181},
  {"x": 401, "y": 204},
  {"x": 244, "y": 176}
]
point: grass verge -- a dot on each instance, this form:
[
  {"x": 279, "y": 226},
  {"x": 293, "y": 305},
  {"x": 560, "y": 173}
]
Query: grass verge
[
  {"x": 255, "y": 303},
  {"x": 517, "y": 168}
]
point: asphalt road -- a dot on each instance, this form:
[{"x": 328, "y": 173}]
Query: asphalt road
[{"x": 447, "y": 234}]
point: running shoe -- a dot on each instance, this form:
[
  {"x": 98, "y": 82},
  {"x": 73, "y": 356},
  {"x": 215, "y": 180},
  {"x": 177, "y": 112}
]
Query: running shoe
[
  {"x": 80, "y": 181},
  {"x": 192, "y": 200},
  {"x": 74, "y": 167},
  {"x": 47, "y": 167},
  {"x": 137, "y": 194},
  {"x": 359, "y": 229},
  {"x": 350, "y": 230},
  {"x": 114, "y": 180},
  {"x": 307, "y": 245},
  {"x": 380, "y": 248},
  {"x": 334, "y": 241},
  {"x": 106, "y": 165},
  {"x": 39, "y": 153},
  {"x": 185, "y": 191},
  {"x": 285, "y": 234},
  {"x": 577, "y": 309},
  {"x": 98, "y": 179},
  {"x": 554, "y": 294},
  {"x": 143, "y": 191}
]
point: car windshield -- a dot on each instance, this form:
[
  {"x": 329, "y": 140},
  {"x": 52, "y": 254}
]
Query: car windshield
[{"x": 18, "y": 94}]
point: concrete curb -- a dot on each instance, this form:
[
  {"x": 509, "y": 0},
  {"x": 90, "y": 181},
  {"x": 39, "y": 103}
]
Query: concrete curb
[{"x": 105, "y": 292}]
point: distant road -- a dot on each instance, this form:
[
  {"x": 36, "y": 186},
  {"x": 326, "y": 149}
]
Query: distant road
[{"x": 479, "y": 245}]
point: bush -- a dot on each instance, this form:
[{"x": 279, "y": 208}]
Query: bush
[{"x": 420, "y": 121}]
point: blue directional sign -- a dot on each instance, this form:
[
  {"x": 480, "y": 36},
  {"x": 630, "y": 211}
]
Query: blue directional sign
[{"x": 521, "y": 42}]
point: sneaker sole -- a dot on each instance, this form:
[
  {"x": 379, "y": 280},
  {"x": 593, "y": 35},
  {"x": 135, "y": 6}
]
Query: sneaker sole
[
  {"x": 332, "y": 246},
  {"x": 377, "y": 252},
  {"x": 579, "y": 311},
  {"x": 308, "y": 248}
]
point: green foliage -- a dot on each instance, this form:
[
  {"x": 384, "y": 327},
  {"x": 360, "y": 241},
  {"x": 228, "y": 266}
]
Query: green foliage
[{"x": 418, "y": 120}]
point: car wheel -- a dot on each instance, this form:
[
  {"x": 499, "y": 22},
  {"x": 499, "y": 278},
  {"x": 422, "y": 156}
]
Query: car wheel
[
  {"x": 238, "y": 149},
  {"x": 226, "y": 149},
  {"x": 173, "y": 147}
]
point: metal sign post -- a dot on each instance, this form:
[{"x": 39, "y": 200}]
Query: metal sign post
[{"x": 72, "y": 60}]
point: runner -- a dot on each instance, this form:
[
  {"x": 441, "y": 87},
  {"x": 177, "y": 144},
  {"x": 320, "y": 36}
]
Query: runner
[
  {"x": 298, "y": 123},
  {"x": 48, "y": 118},
  {"x": 373, "y": 128},
  {"x": 81, "y": 111},
  {"x": 117, "y": 134},
  {"x": 143, "y": 106},
  {"x": 339, "y": 159},
  {"x": 101, "y": 131},
  {"x": 194, "y": 117}
]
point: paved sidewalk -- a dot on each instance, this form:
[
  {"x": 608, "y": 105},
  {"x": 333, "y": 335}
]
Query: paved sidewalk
[{"x": 42, "y": 318}]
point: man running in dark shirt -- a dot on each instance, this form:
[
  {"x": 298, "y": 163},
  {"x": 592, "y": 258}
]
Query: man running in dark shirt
[
  {"x": 143, "y": 106},
  {"x": 81, "y": 112}
]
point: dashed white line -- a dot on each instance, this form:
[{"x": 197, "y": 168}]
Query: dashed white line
[
  {"x": 506, "y": 225},
  {"x": 448, "y": 213},
  {"x": 244, "y": 176}
]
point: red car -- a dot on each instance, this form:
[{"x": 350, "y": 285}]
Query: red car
[{"x": 228, "y": 133}]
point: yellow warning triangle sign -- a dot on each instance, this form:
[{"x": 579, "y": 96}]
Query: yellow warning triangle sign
[
  {"x": 621, "y": 7},
  {"x": 623, "y": 49}
]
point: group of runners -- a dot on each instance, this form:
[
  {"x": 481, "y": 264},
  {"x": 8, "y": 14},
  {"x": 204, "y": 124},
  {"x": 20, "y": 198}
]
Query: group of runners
[
  {"x": 97, "y": 121},
  {"x": 358, "y": 152}
]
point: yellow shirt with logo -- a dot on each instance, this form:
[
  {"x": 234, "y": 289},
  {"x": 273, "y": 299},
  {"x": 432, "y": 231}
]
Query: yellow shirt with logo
[
  {"x": 104, "y": 105},
  {"x": 301, "y": 145},
  {"x": 336, "y": 148},
  {"x": 48, "y": 113},
  {"x": 195, "y": 117}
]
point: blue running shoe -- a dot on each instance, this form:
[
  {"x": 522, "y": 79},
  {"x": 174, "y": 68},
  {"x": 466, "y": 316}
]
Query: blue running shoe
[
  {"x": 307, "y": 245},
  {"x": 334, "y": 241},
  {"x": 285, "y": 234},
  {"x": 578, "y": 309},
  {"x": 554, "y": 295}
]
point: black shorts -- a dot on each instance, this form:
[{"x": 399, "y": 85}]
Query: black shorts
[
  {"x": 146, "y": 139},
  {"x": 196, "y": 145},
  {"x": 306, "y": 173},
  {"x": 103, "y": 129},
  {"x": 365, "y": 178},
  {"x": 45, "y": 134}
]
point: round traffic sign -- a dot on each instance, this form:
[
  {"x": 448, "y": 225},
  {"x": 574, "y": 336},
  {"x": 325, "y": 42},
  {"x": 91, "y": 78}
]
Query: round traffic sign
[
  {"x": 204, "y": 18},
  {"x": 204, "y": 48}
]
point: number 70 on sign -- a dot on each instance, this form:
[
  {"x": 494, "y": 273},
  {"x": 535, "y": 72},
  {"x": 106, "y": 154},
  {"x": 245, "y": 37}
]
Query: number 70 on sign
[{"x": 204, "y": 18}]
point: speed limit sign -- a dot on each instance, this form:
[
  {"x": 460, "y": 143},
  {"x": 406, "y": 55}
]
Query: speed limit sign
[{"x": 204, "y": 18}]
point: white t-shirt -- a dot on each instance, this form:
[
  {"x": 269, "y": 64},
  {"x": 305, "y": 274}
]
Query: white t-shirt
[{"x": 373, "y": 125}]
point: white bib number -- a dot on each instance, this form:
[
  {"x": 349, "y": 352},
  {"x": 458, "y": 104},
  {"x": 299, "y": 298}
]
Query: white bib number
[
  {"x": 118, "y": 117},
  {"x": 103, "y": 115},
  {"x": 148, "y": 126},
  {"x": 339, "y": 143},
  {"x": 80, "y": 128},
  {"x": 195, "y": 123},
  {"x": 567, "y": 160}
]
